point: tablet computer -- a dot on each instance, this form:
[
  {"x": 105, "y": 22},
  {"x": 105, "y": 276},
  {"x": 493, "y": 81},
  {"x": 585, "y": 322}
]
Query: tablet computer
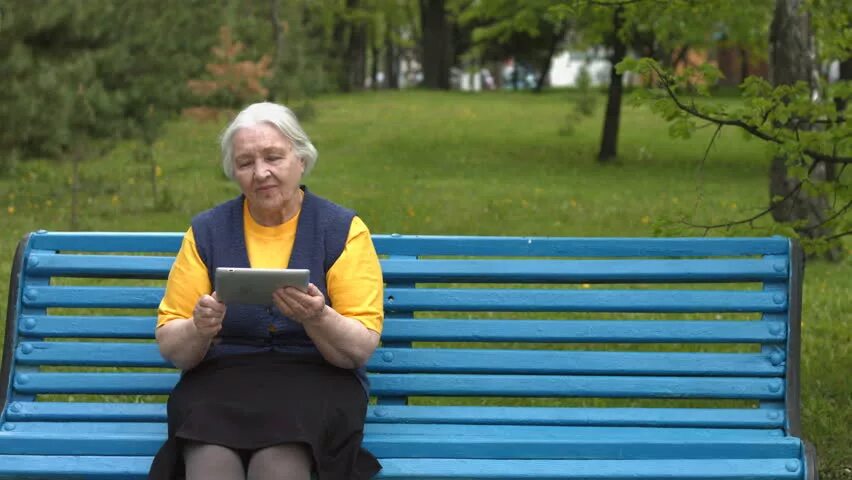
[{"x": 254, "y": 286}]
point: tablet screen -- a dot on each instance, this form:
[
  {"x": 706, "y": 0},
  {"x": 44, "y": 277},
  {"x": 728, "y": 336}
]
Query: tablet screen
[{"x": 254, "y": 286}]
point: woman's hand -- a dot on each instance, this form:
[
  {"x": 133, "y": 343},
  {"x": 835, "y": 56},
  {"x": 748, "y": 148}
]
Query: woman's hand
[
  {"x": 303, "y": 307},
  {"x": 208, "y": 315}
]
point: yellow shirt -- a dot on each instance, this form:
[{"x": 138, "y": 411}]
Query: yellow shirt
[{"x": 354, "y": 282}]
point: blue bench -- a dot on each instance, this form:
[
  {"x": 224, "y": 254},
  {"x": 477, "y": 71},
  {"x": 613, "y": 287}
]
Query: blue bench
[{"x": 502, "y": 358}]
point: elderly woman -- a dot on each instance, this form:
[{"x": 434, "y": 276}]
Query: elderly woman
[{"x": 277, "y": 391}]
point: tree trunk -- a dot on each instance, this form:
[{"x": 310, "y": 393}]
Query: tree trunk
[
  {"x": 845, "y": 75},
  {"x": 791, "y": 59},
  {"x": 278, "y": 35},
  {"x": 374, "y": 74},
  {"x": 435, "y": 45},
  {"x": 355, "y": 58},
  {"x": 609, "y": 139},
  {"x": 336, "y": 55},
  {"x": 391, "y": 61},
  {"x": 545, "y": 67},
  {"x": 743, "y": 64}
]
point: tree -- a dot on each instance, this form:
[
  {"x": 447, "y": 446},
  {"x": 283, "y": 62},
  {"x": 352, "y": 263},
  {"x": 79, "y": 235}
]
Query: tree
[
  {"x": 536, "y": 28},
  {"x": 77, "y": 76},
  {"x": 792, "y": 52},
  {"x": 436, "y": 44},
  {"x": 660, "y": 28},
  {"x": 529, "y": 33},
  {"x": 612, "y": 116},
  {"x": 797, "y": 114}
]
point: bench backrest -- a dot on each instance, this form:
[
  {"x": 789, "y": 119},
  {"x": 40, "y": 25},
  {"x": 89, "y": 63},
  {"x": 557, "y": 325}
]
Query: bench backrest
[{"x": 613, "y": 326}]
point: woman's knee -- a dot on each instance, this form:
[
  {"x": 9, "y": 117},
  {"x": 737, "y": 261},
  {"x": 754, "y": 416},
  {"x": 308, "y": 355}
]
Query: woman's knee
[
  {"x": 288, "y": 461},
  {"x": 205, "y": 461}
]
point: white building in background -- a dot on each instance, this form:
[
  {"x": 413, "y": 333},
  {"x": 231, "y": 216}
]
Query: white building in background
[{"x": 565, "y": 68}]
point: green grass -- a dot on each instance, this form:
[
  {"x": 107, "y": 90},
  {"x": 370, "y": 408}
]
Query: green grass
[{"x": 488, "y": 164}]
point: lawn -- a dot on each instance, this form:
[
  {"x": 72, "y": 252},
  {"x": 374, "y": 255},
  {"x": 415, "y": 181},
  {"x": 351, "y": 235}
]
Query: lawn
[{"x": 488, "y": 164}]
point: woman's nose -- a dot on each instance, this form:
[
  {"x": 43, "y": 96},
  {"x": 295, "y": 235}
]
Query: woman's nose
[{"x": 261, "y": 170}]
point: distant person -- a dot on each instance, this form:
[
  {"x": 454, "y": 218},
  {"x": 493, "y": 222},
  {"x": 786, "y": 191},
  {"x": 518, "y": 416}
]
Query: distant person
[{"x": 272, "y": 391}]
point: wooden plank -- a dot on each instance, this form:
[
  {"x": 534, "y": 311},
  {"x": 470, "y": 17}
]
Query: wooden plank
[
  {"x": 94, "y": 326},
  {"x": 584, "y": 331},
  {"x": 583, "y": 271},
  {"x": 648, "y": 417},
  {"x": 103, "y": 266},
  {"x": 515, "y": 415},
  {"x": 713, "y": 469},
  {"x": 575, "y": 386},
  {"x": 640, "y": 301},
  {"x": 578, "y": 247},
  {"x": 85, "y": 411},
  {"x": 440, "y": 299},
  {"x": 92, "y": 354},
  {"x": 440, "y": 360},
  {"x": 92, "y": 297},
  {"x": 445, "y": 385},
  {"x": 441, "y": 441},
  {"x": 107, "y": 241},
  {"x": 568, "y": 362},
  {"x": 452, "y": 245},
  {"x": 494, "y": 271},
  {"x": 136, "y": 468},
  {"x": 451, "y": 330}
]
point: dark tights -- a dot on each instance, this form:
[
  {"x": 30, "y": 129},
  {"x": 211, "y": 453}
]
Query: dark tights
[{"x": 289, "y": 461}]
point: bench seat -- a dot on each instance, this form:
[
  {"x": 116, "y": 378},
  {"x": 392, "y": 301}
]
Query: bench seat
[{"x": 501, "y": 358}]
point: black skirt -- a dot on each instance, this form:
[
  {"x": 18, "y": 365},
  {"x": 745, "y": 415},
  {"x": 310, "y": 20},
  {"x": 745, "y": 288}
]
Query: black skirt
[{"x": 249, "y": 402}]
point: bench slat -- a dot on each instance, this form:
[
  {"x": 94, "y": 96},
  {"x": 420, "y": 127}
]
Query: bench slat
[
  {"x": 136, "y": 467},
  {"x": 439, "y": 299},
  {"x": 93, "y": 297},
  {"x": 454, "y": 385},
  {"x": 649, "y": 417},
  {"x": 414, "y": 245},
  {"x": 583, "y": 271},
  {"x": 583, "y": 331},
  {"x": 495, "y": 271},
  {"x": 712, "y": 469},
  {"x": 446, "y": 330},
  {"x": 104, "y": 266},
  {"x": 674, "y": 301},
  {"x": 71, "y": 326},
  {"x": 446, "y": 430},
  {"x": 107, "y": 241},
  {"x": 445, "y": 441},
  {"x": 433, "y": 360}
]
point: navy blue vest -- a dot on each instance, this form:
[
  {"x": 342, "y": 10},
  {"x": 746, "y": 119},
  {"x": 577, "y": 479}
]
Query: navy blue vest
[{"x": 321, "y": 234}]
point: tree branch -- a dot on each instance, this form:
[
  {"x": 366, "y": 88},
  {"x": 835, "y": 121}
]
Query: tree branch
[
  {"x": 693, "y": 110},
  {"x": 619, "y": 3},
  {"x": 751, "y": 219},
  {"x": 832, "y": 217},
  {"x": 847, "y": 232}
]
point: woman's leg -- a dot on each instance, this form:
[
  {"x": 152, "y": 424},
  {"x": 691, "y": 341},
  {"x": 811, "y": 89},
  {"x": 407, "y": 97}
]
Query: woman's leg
[
  {"x": 205, "y": 461},
  {"x": 288, "y": 461}
]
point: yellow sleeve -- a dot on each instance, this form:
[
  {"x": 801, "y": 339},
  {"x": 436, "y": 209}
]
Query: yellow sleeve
[
  {"x": 354, "y": 282},
  {"x": 188, "y": 281}
]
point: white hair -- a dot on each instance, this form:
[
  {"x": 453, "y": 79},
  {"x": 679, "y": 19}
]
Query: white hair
[{"x": 278, "y": 116}]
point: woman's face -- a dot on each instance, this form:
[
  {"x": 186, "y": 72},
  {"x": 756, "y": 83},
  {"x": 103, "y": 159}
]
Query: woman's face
[{"x": 268, "y": 172}]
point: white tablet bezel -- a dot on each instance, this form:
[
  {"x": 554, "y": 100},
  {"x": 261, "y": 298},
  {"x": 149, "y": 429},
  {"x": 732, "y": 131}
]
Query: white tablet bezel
[{"x": 254, "y": 286}]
